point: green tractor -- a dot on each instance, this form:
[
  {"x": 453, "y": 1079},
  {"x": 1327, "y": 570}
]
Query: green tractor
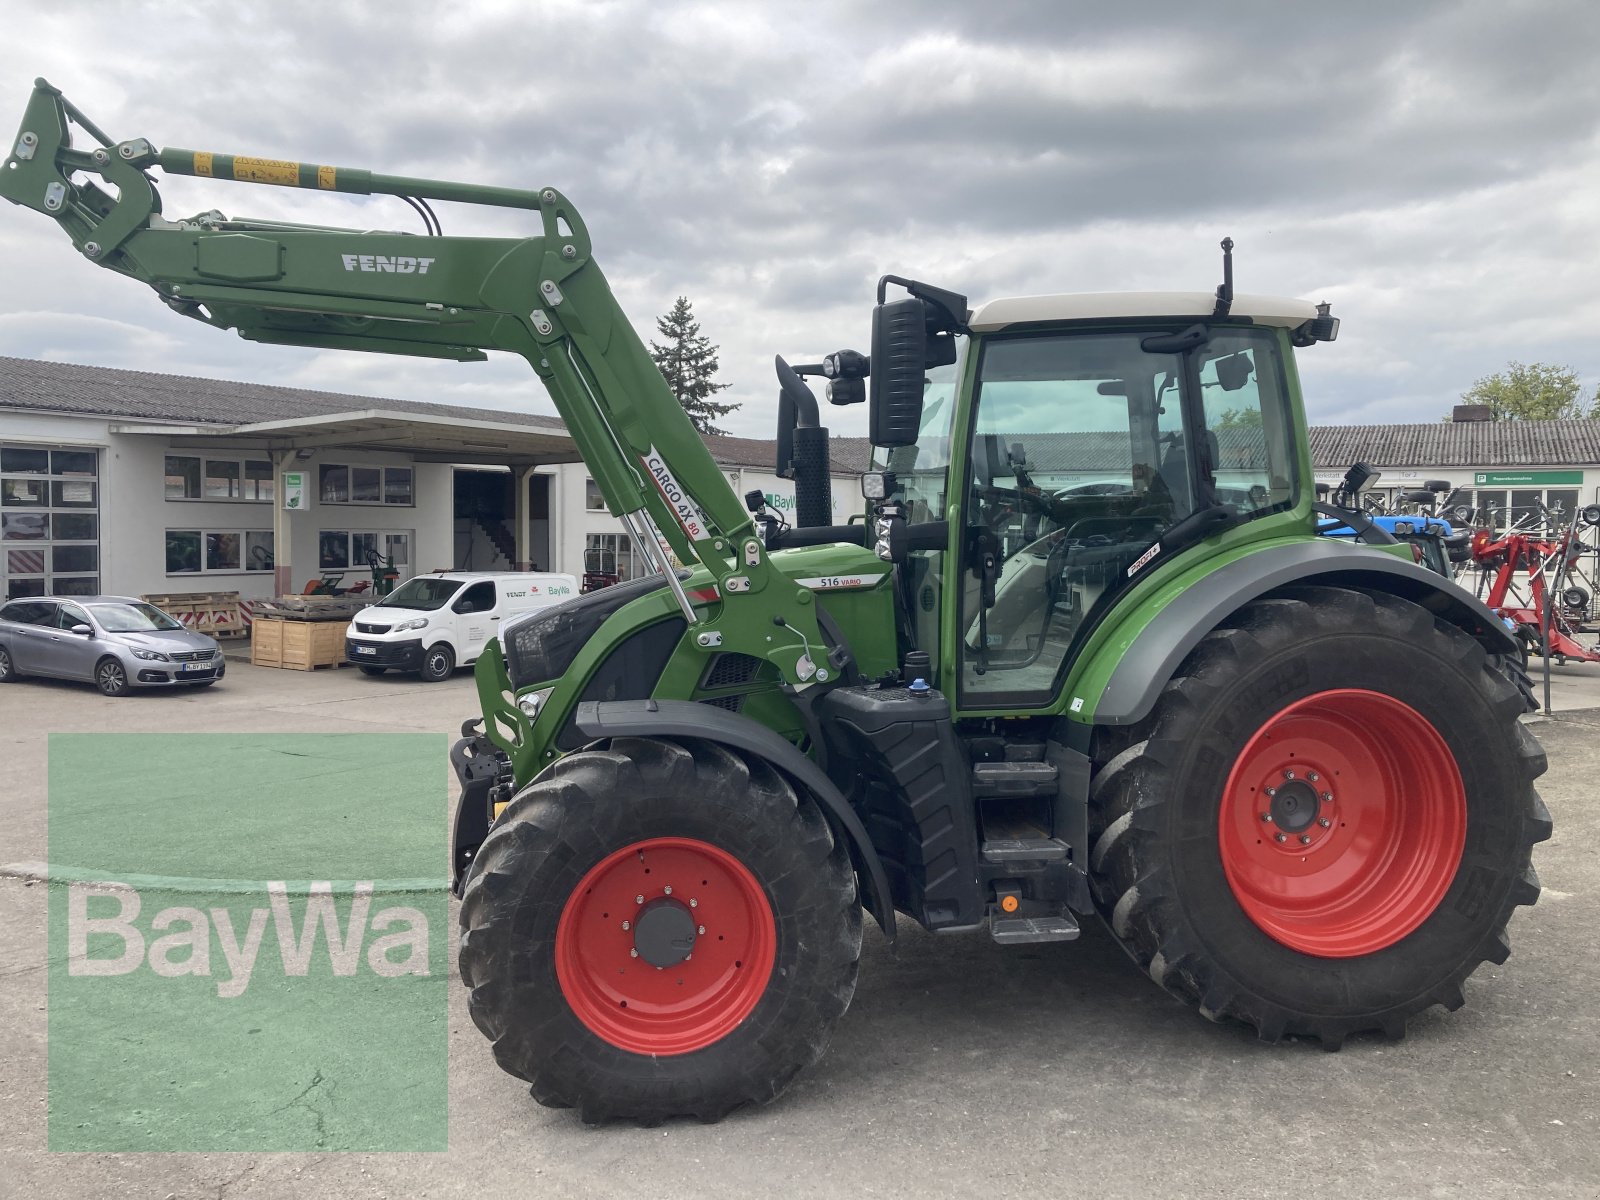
[{"x": 1082, "y": 653}]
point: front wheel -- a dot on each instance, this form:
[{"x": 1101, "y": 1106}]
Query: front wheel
[
  {"x": 656, "y": 929},
  {"x": 1326, "y": 822},
  {"x": 438, "y": 663},
  {"x": 8, "y": 670},
  {"x": 111, "y": 678}
]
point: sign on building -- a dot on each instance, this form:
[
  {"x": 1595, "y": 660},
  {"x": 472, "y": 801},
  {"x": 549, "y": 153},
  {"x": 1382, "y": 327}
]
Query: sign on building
[{"x": 294, "y": 490}]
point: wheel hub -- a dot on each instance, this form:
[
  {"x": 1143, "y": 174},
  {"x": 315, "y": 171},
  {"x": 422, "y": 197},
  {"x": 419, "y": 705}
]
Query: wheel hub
[
  {"x": 1294, "y": 806},
  {"x": 664, "y": 932}
]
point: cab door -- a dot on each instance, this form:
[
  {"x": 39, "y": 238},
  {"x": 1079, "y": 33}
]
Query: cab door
[{"x": 478, "y": 615}]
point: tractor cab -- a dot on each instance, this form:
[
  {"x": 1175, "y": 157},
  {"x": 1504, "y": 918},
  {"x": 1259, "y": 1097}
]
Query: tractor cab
[{"x": 1068, "y": 446}]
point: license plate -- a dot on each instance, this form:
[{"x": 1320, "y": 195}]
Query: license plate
[
  {"x": 366, "y": 649},
  {"x": 197, "y": 666}
]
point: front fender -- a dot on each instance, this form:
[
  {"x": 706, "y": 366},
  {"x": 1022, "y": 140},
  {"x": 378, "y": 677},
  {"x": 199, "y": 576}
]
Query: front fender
[
  {"x": 680, "y": 719},
  {"x": 1154, "y": 654}
]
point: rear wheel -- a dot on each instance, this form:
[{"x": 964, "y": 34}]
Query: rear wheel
[
  {"x": 1326, "y": 822},
  {"x": 8, "y": 670},
  {"x": 438, "y": 663},
  {"x": 111, "y": 678},
  {"x": 656, "y": 929}
]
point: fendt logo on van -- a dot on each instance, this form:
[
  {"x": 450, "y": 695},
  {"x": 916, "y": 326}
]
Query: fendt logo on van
[
  {"x": 685, "y": 509},
  {"x": 247, "y": 952},
  {"x": 390, "y": 264}
]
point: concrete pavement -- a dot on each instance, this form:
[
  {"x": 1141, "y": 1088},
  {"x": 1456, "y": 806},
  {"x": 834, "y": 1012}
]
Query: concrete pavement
[{"x": 962, "y": 1068}]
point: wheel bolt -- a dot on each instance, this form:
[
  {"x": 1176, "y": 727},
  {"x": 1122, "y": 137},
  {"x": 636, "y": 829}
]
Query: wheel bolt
[
  {"x": 625, "y": 927},
  {"x": 1288, "y": 772},
  {"x": 1327, "y": 797},
  {"x": 1267, "y": 817},
  {"x": 638, "y": 899},
  {"x": 1312, "y": 777},
  {"x": 634, "y": 952},
  {"x": 1305, "y": 839},
  {"x": 694, "y": 904},
  {"x": 1270, "y": 791},
  {"x": 1324, "y": 822},
  {"x": 667, "y": 890},
  {"x": 702, "y": 929},
  {"x": 1278, "y": 837}
]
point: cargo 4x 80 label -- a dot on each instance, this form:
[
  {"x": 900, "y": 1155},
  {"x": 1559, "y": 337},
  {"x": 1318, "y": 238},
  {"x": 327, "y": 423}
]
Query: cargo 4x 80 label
[{"x": 685, "y": 509}]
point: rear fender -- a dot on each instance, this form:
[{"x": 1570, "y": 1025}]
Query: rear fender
[{"x": 1155, "y": 652}]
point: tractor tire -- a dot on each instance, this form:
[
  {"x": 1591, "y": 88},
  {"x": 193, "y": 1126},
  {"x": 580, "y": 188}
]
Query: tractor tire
[
  {"x": 1385, "y": 863},
  {"x": 655, "y": 929}
]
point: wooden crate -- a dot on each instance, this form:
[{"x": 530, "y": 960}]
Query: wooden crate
[{"x": 297, "y": 645}]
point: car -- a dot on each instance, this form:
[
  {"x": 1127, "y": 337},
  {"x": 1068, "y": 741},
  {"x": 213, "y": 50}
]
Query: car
[
  {"x": 432, "y": 624},
  {"x": 117, "y": 643}
]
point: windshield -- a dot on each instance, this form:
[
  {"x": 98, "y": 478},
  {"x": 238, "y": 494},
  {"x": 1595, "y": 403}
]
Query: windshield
[
  {"x": 920, "y": 471},
  {"x": 425, "y": 593},
  {"x": 132, "y": 618}
]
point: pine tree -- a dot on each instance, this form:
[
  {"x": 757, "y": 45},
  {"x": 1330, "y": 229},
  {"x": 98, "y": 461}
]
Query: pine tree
[{"x": 688, "y": 362}]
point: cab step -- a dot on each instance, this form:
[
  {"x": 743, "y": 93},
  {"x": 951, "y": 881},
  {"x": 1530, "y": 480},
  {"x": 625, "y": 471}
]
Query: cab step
[
  {"x": 1010, "y": 931},
  {"x": 1020, "y": 850}
]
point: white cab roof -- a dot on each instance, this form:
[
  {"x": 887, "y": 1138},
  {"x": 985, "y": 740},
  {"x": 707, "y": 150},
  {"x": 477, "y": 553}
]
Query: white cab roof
[{"x": 1100, "y": 306}]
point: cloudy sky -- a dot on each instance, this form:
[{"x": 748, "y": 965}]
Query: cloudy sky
[{"x": 1432, "y": 169}]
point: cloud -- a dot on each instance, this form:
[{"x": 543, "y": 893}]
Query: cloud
[{"x": 1429, "y": 168}]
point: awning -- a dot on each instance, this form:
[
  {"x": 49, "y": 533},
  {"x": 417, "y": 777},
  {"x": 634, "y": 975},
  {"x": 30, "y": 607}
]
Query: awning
[{"x": 425, "y": 437}]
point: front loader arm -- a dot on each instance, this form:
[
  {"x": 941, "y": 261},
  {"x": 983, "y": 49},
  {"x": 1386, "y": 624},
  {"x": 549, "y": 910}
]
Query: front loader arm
[{"x": 542, "y": 297}]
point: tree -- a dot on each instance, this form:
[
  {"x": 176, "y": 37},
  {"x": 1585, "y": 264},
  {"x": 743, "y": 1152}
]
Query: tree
[
  {"x": 1533, "y": 392},
  {"x": 688, "y": 362}
]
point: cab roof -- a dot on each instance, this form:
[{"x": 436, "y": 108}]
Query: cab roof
[{"x": 1103, "y": 306}]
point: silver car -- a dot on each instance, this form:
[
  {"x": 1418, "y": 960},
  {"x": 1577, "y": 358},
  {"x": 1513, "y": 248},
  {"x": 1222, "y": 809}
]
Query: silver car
[{"x": 115, "y": 642}]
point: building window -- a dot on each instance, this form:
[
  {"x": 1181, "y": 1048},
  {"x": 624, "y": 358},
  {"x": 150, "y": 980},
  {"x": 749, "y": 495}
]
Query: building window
[
  {"x": 190, "y": 477},
  {"x": 609, "y": 554},
  {"x": 342, "y": 483},
  {"x": 345, "y": 549},
  {"x": 49, "y": 521},
  {"x": 593, "y": 501},
  {"x": 258, "y": 483},
  {"x": 218, "y": 551}
]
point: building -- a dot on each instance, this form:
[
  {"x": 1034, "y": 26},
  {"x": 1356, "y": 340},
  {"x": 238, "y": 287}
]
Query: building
[{"x": 136, "y": 483}]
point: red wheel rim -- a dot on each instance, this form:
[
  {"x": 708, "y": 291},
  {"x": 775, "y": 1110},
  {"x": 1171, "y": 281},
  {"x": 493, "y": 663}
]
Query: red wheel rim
[
  {"x": 642, "y": 907},
  {"x": 1342, "y": 823}
]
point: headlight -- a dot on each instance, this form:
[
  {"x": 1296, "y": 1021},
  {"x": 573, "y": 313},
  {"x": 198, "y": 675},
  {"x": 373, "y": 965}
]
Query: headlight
[
  {"x": 149, "y": 655},
  {"x": 413, "y": 623},
  {"x": 533, "y": 702}
]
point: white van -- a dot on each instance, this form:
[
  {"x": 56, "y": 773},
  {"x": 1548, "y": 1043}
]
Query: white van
[{"x": 432, "y": 624}]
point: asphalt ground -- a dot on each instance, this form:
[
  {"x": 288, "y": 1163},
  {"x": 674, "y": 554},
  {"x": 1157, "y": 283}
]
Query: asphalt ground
[{"x": 961, "y": 1068}]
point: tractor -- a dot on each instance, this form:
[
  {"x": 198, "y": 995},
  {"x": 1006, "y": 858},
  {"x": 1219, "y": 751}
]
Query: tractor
[{"x": 1083, "y": 652}]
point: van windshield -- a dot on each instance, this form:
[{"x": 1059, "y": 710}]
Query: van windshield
[{"x": 425, "y": 592}]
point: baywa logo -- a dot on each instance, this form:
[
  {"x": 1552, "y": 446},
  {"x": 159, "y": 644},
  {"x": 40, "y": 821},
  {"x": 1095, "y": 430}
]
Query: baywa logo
[
  {"x": 389, "y": 264},
  {"x": 179, "y": 940},
  {"x": 247, "y": 954}
]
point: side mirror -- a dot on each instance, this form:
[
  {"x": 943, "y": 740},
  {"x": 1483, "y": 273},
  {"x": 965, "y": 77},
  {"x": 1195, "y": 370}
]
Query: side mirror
[
  {"x": 82, "y": 630},
  {"x": 899, "y": 365}
]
